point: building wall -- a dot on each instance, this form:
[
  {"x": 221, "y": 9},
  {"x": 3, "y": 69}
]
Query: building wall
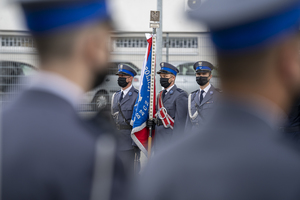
[{"x": 129, "y": 16}]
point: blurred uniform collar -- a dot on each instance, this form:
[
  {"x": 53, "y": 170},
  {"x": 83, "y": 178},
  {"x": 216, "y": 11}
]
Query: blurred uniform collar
[
  {"x": 58, "y": 85},
  {"x": 262, "y": 108}
]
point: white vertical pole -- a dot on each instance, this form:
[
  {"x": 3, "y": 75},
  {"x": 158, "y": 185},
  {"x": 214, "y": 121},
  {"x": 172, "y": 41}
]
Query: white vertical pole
[{"x": 159, "y": 40}]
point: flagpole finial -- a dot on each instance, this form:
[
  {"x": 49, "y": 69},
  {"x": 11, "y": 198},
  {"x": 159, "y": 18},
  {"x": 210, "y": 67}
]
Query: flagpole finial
[{"x": 154, "y": 19}]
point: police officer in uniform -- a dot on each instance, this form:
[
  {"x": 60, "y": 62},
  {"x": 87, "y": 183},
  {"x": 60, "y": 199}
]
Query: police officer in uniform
[
  {"x": 121, "y": 109},
  {"x": 240, "y": 153},
  {"x": 173, "y": 108},
  {"x": 202, "y": 101},
  {"x": 48, "y": 151}
]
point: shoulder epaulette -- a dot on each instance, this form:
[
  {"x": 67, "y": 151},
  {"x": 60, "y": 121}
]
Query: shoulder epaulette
[
  {"x": 180, "y": 90},
  {"x": 219, "y": 90},
  {"x": 136, "y": 90},
  {"x": 194, "y": 91}
]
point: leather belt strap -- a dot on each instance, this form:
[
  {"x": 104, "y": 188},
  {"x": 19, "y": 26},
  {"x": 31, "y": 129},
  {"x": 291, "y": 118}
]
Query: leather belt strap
[
  {"x": 163, "y": 115},
  {"x": 159, "y": 122},
  {"x": 123, "y": 127}
]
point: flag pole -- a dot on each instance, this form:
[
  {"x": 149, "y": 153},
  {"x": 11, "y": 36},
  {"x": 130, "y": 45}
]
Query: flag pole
[{"x": 154, "y": 17}]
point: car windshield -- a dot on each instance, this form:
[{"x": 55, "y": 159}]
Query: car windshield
[{"x": 27, "y": 70}]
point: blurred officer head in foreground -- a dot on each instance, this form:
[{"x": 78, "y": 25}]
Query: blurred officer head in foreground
[
  {"x": 49, "y": 152},
  {"x": 258, "y": 52},
  {"x": 240, "y": 153},
  {"x": 71, "y": 38}
]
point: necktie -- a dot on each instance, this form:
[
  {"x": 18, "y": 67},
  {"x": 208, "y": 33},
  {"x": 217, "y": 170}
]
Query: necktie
[
  {"x": 201, "y": 95},
  {"x": 121, "y": 97},
  {"x": 163, "y": 94}
]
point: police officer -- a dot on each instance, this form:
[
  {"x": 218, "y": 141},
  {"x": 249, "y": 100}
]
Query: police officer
[
  {"x": 48, "y": 151},
  {"x": 202, "y": 101},
  {"x": 121, "y": 109},
  {"x": 240, "y": 153},
  {"x": 171, "y": 108}
]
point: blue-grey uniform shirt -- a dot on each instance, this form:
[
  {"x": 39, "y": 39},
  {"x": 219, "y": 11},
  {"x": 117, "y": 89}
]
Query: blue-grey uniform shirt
[
  {"x": 198, "y": 112},
  {"x": 175, "y": 102},
  {"x": 127, "y": 104}
]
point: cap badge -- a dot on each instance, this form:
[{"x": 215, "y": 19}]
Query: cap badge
[
  {"x": 162, "y": 64},
  {"x": 200, "y": 63},
  {"x": 121, "y": 66}
]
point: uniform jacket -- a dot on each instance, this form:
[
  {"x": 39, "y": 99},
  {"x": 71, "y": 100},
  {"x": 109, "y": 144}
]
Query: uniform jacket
[
  {"x": 238, "y": 155},
  {"x": 175, "y": 101},
  {"x": 199, "y": 113},
  {"x": 127, "y": 104},
  {"x": 48, "y": 151}
]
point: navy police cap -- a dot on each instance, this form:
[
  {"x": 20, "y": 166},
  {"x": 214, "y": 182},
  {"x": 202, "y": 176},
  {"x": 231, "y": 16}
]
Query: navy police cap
[
  {"x": 166, "y": 68},
  {"x": 203, "y": 66},
  {"x": 241, "y": 24},
  {"x": 126, "y": 70},
  {"x": 43, "y": 16}
]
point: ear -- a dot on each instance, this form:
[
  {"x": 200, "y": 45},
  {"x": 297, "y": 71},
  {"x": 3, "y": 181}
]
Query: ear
[
  {"x": 96, "y": 47},
  {"x": 130, "y": 79},
  {"x": 289, "y": 63}
]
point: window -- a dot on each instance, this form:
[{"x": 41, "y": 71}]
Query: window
[
  {"x": 186, "y": 69},
  {"x": 142, "y": 42},
  {"x": 16, "y": 41}
]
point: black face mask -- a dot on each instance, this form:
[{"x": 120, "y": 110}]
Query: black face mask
[
  {"x": 164, "y": 82},
  {"x": 201, "y": 80},
  {"x": 122, "y": 82},
  {"x": 99, "y": 78}
]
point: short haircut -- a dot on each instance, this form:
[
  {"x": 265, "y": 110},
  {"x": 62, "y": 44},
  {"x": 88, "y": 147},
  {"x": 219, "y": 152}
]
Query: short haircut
[
  {"x": 243, "y": 66},
  {"x": 60, "y": 44}
]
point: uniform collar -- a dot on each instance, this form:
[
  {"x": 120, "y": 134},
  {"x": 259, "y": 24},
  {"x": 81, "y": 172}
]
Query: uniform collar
[
  {"x": 58, "y": 85},
  {"x": 168, "y": 90},
  {"x": 126, "y": 91},
  {"x": 206, "y": 89}
]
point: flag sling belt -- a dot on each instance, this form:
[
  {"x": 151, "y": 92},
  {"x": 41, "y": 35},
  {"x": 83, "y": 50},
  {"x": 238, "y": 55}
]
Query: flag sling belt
[{"x": 163, "y": 115}]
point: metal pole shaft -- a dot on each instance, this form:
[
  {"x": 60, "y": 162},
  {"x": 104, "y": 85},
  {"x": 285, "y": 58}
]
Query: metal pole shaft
[
  {"x": 159, "y": 39},
  {"x": 167, "y": 48},
  {"x": 153, "y": 71}
]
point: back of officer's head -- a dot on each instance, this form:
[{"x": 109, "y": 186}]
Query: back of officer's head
[
  {"x": 259, "y": 49},
  {"x": 64, "y": 30}
]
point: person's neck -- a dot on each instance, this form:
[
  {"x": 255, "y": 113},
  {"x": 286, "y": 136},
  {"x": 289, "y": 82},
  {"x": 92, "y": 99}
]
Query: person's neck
[
  {"x": 204, "y": 86},
  {"x": 169, "y": 86},
  {"x": 72, "y": 71},
  {"x": 128, "y": 86}
]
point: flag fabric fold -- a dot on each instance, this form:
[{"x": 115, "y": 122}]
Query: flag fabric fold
[{"x": 140, "y": 132}]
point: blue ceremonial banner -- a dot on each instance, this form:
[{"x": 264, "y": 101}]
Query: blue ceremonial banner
[{"x": 140, "y": 132}]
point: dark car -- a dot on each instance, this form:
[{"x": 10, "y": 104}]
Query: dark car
[{"x": 11, "y": 73}]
